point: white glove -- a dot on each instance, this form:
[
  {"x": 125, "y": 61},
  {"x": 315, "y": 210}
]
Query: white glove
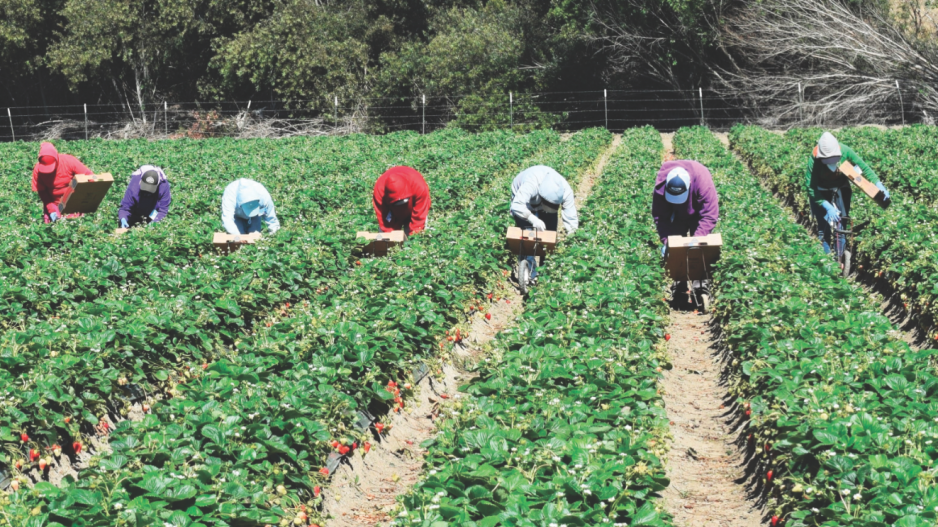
[{"x": 537, "y": 223}]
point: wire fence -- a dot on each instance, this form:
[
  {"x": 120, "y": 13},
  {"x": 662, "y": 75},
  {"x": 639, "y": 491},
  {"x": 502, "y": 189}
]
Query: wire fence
[{"x": 667, "y": 110}]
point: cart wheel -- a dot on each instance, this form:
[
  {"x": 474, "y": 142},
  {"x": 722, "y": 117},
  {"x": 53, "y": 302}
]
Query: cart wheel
[
  {"x": 524, "y": 275},
  {"x": 705, "y": 302},
  {"x": 845, "y": 262}
]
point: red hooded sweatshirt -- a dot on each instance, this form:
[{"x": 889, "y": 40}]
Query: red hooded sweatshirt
[
  {"x": 396, "y": 184},
  {"x": 53, "y": 182}
]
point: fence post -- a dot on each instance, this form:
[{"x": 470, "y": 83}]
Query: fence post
[
  {"x": 10, "y": 115},
  {"x": 335, "y": 114},
  {"x": 165, "y": 118},
  {"x": 606, "y": 107},
  {"x": 511, "y": 110},
  {"x": 701, "y": 108},
  {"x": 901, "y": 105},
  {"x": 423, "y": 118},
  {"x": 86, "y": 122},
  {"x": 800, "y": 103}
]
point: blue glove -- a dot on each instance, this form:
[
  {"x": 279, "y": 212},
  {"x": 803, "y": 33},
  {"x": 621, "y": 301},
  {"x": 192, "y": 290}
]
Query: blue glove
[
  {"x": 124, "y": 223},
  {"x": 885, "y": 192},
  {"x": 664, "y": 249},
  {"x": 833, "y": 215},
  {"x": 53, "y": 216}
]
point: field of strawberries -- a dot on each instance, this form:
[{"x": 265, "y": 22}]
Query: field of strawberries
[{"x": 147, "y": 380}]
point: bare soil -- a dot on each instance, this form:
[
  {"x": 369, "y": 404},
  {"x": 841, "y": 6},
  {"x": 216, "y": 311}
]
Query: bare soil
[
  {"x": 585, "y": 187},
  {"x": 704, "y": 465}
]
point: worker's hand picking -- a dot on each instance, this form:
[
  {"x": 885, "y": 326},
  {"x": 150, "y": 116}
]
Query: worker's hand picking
[
  {"x": 880, "y": 186},
  {"x": 537, "y": 223},
  {"x": 833, "y": 215}
]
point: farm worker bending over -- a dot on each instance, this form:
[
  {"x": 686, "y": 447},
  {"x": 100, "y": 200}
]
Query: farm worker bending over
[
  {"x": 52, "y": 179},
  {"x": 537, "y": 193},
  {"x": 685, "y": 201},
  {"x": 823, "y": 177},
  {"x": 402, "y": 200},
  {"x": 244, "y": 204},
  {"x": 146, "y": 199}
]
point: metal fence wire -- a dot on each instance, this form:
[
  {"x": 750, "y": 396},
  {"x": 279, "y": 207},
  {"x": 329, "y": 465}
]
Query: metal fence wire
[{"x": 666, "y": 110}]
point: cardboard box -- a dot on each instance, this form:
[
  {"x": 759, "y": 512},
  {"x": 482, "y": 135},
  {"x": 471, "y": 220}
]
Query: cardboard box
[
  {"x": 380, "y": 242},
  {"x": 119, "y": 231},
  {"x": 867, "y": 186},
  {"x": 228, "y": 243},
  {"x": 692, "y": 257},
  {"x": 526, "y": 239},
  {"x": 86, "y": 193}
]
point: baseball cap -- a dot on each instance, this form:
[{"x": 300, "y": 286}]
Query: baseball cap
[
  {"x": 828, "y": 149},
  {"x": 149, "y": 181},
  {"x": 677, "y": 186},
  {"x": 48, "y": 158}
]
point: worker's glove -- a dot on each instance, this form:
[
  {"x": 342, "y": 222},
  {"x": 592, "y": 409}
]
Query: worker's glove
[
  {"x": 53, "y": 216},
  {"x": 124, "y": 223},
  {"x": 881, "y": 187},
  {"x": 664, "y": 249},
  {"x": 537, "y": 223},
  {"x": 833, "y": 215}
]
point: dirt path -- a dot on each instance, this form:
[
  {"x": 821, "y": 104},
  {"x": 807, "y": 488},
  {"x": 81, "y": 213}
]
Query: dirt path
[
  {"x": 703, "y": 464},
  {"x": 363, "y": 492}
]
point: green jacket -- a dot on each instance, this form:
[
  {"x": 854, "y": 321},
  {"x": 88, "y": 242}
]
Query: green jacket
[{"x": 818, "y": 176}]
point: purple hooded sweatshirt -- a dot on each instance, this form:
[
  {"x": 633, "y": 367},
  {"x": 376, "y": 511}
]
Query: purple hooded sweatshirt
[
  {"x": 697, "y": 215},
  {"x": 137, "y": 206}
]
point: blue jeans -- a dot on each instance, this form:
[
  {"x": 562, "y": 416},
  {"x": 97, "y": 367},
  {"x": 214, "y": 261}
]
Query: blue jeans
[
  {"x": 248, "y": 226},
  {"x": 824, "y": 228},
  {"x": 550, "y": 221}
]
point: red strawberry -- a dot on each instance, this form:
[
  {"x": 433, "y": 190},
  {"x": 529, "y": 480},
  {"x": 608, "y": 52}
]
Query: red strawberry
[
  {"x": 301, "y": 516},
  {"x": 335, "y": 444},
  {"x": 768, "y": 447},
  {"x": 748, "y": 412},
  {"x": 380, "y": 427},
  {"x": 77, "y": 447},
  {"x": 366, "y": 446},
  {"x": 667, "y": 337},
  {"x": 768, "y": 476},
  {"x": 488, "y": 316},
  {"x": 317, "y": 490},
  {"x": 204, "y": 365},
  {"x": 68, "y": 420},
  {"x": 18, "y": 464},
  {"x": 288, "y": 304},
  {"x": 343, "y": 450},
  {"x": 490, "y": 296},
  {"x": 444, "y": 396},
  {"x": 24, "y": 438},
  {"x": 33, "y": 454},
  {"x": 775, "y": 521},
  {"x": 324, "y": 471}
]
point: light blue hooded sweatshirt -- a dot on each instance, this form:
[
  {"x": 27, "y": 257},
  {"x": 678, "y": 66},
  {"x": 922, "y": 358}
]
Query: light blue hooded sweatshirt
[
  {"x": 246, "y": 199},
  {"x": 542, "y": 188}
]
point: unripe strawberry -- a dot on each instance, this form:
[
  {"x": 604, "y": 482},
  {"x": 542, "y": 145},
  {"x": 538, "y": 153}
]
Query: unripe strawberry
[
  {"x": 281, "y": 490},
  {"x": 42, "y": 464},
  {"x": 15, "y": 485},
  {"x": 57, "y": 450}
]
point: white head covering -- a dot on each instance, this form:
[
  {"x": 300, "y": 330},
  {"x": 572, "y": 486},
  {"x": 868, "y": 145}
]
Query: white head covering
[{"x": 677, "y": 186}]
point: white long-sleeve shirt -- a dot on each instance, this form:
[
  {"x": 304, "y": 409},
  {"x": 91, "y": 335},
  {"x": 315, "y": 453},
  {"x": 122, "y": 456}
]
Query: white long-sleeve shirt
[
  {"x": 243, "y": 191},
  {"x": 539, "y": 184}
]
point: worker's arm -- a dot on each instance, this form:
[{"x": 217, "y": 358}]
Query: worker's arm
[
  {"x": 521, "y": 198},
  {"x": 228, "y": 203},
  {"x": 571, "y": 221},
  {"x": 378, "y": 204},
  {"x": 270, "y": 216},
  {"x": 45, "y": 194},
  {"x": 661, "y": 212},
  {"x": 853, "y": 158},
  {"x": 130, "y": 199},
  {"x": 75, "y": 166},
  {"x": 707, "y": 195},
  {"x": 162, "y": 206},
  {"x": 419, "y": 211},
  {"x": 809, "y": 183}
]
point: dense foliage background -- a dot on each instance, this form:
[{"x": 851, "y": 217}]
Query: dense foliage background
[{"x": 472, "y": 52}]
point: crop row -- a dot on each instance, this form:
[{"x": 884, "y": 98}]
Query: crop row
[
  {"x": 897, "y": 247},
  {"x": 840, "y": 426},
  {"x": 268, "y": 412},
  {"x": 142, "y": 333},
  {"x": 564, "y": 424}
]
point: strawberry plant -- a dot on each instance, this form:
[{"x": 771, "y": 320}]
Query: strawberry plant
[
  {"x": 564, "y": 425},
  {"x": 839, "y": 423}
]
